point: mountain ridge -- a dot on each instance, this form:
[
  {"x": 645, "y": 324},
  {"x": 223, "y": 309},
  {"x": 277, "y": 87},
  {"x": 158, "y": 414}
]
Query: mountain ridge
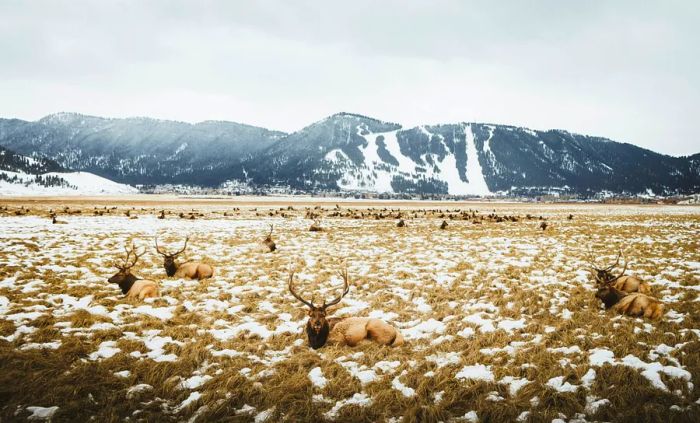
[{"x": 351, "y": 151}]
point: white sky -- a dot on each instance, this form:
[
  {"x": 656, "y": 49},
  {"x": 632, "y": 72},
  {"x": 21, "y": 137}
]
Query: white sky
[{"x": 629, "y": 71}]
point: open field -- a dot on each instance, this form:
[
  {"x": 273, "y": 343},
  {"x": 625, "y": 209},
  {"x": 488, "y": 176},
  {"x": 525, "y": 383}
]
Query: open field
[{"x": 500, "y": 318}]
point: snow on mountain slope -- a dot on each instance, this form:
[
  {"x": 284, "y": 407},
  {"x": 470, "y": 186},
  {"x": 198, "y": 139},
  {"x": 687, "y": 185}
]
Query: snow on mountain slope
[
  {"x": 80, "y": 183},
  {"x": 384, "y": 161}
]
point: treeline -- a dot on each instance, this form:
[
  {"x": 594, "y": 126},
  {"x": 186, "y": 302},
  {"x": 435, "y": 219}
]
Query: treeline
[
  {"x": 42, "y": 180},
  {"x": 13, "y": 162}
]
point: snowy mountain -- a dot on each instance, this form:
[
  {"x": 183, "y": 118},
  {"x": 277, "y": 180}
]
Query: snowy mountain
[
  {"x": 138, "y": 150},
  {"x": 22, "y": 175},
  {"x": 353, "y": 152}
]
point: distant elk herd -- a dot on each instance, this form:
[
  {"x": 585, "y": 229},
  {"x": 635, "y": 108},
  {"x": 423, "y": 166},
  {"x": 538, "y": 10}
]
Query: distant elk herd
[{"x": 623, "y": 293}]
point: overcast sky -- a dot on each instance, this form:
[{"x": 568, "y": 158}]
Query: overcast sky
[{"x": 629, "y": 71}]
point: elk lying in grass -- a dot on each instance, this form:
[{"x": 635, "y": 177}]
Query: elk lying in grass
[
  {"x": 401, "y": 224},
  {"x": 188, "y": 269},
  {"x": 133, "y": 286},
  {"x": 635, "y": 304},
  {"x": 268, "y": 242},
  {"x": 316, "y": 226},
  {"x": 627, "y": 284},
  {"x": 443, "y": 225},
  {"x": 55, "y": 221},
  {"x": 343, "y": 331}
]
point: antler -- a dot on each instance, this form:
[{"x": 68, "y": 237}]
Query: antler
[
  {"x": 165, "y": 253},
  {"x": 619, "y": 254},
  {"x": 291, "y": 289},
  {"x": 187, "y": 238},
  {"x": 624, "y": 269},
  {"x": 271, "y": 228},
  {"x": 158, "y": 248},
  {"x": 129, "y": 252},
  {"x": 591, "y": 261},
  {"x": 346, "y": 288}
]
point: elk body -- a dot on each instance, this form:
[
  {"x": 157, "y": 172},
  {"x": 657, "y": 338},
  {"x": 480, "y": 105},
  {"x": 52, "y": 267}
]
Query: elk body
[
  {"x": 627, "y": 284},
  {"x": 635, "y": 304},
  {"x": 349, "y": 331},
  {"x": 131, "y": 285},
  {"x": 189, "y": 269},
  {"x": 316, "y": 226},
  {"x": 55, "y": 221}
]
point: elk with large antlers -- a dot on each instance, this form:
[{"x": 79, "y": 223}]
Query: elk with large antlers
[
  {"x": 343, "y": 331},
  {"x": 188, "y": 269},
  {"x": 628, "y": 284},
  {"x": 133, "y": 286}
]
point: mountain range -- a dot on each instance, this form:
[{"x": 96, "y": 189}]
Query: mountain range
[{"x": 352, "y": 152}]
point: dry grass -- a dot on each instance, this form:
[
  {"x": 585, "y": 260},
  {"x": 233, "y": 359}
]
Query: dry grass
[{"x": 61, "y": 312}]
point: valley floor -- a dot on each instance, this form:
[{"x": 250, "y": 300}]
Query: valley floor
[{"x": 500, "y": 319}]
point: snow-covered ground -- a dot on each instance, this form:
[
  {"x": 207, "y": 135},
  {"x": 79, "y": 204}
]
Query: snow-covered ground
[
  {"x": 500, "y": 319},
  {"x": 81, "y": 183}
]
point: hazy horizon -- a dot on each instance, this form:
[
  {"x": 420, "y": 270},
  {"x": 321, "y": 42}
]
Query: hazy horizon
[{"x": 622, "y": 71}]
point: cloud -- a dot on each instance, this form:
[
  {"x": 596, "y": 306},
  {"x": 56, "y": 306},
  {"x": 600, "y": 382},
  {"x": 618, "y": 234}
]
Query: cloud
[{"x": 623, "y": 70}]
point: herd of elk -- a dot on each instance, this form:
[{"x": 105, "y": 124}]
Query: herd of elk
[
  {"x": 131, "y": 285},
  {"x": 349, "y": 331},
  {"x": 188, "y": 269},
  {"x": 625, "y": 294}
]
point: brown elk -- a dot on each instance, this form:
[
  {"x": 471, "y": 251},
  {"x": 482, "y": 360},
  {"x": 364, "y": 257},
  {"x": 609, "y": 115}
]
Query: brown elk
[
  {"x": 188, "y": 269},
  {"x": 635, "y": 304},
  {"x": 343, "y": 331},
  {"x": 268, "y": 242},
  {"x": 133, "y": 286},
  {"x": 443, "y": 225},
  {"x": 55, "y": 221},
  {"x": 401, "y": 224},
  {"x": 628, "y": 284},
  {"x": 316, "y": 226}
]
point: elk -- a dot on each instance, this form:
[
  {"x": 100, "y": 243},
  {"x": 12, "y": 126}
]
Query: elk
[
  {"x": 401, "y": 224},
  {"x": 55, "y": 221},
  {"x": 543, "y": 226},
  {"x": 348, "y": 331},
  {"x": 316, "y": 226},
  {"x": 188, "y": 269},
  {"x": 635, "y": 304},
  {"x": 268, "y": 242},
  {"x": 628, "y": 284},
  {"x": 443, "y": 225},
  {"x": 133, "y": 286}
]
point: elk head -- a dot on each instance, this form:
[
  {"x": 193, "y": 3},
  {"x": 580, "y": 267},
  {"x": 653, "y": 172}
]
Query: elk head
[
  {"x": 609, "y": 295},
  {"x": 604, "y": 276},
  {"x": 169, "y": 258},
  {"x": 123, "y": 277},
  {"x": 317, "y": 327}
]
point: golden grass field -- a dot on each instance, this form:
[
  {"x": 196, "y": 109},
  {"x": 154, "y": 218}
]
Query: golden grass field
[{"x": 500, "y": 319}]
